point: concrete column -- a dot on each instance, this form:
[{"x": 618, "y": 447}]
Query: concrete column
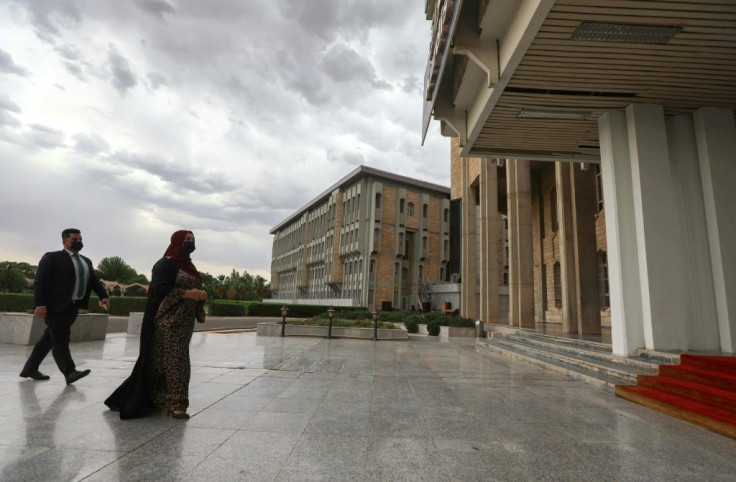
[
  {"x": 715, "y": 133},
  {"x": 525, "y": 244},
  {"x": 489, "y": 300},
  {"x": 584, "y": 206},
  {"x": 627, "y": 332},
  {"x": 513, "y": 233},
  {"x": 469, "y": 306},
  {"x": 700, "y": 307},
  {"x": 659, "y": 247},
  {"x": 567, "y": 247}
]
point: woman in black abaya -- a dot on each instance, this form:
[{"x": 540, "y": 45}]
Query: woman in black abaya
[{"x": 161, "y": 373}]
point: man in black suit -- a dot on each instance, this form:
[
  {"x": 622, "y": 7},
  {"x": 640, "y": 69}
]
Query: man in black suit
[{"x": 62, "y": 287}]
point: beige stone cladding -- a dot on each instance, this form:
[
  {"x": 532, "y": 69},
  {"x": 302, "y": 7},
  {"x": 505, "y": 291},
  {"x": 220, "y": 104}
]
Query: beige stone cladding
[{"x": 372, "y": 237}]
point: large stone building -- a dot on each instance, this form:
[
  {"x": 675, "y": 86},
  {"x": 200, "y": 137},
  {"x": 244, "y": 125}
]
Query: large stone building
[
  {"x": 548, "y": 246},
  {"x": 372, "y": 237},
  {"x": 552, "y": 102}
]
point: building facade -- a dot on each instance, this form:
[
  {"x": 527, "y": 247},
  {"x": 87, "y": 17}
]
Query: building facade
[
  {"x": 548, "y": 251},
  {"x": 372, "y": 239},
  {"x": 532, "y": 90}
]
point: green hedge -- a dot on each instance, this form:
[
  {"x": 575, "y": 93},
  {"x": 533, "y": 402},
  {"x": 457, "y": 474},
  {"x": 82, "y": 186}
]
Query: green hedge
[
  {"x": 433, "y": 327},
  {"x": 224, "y": 308},
  {"x": 412, "y": 323},
  {"x": 295, "y": 311},
  {"x": 119, "y": 305},
  {"x": 16, "y": 302}
]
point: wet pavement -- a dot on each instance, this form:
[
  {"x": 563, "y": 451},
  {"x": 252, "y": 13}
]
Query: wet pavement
[{"x": 315, "y": 409}]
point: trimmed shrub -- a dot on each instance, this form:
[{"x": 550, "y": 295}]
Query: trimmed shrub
[
  {"x": 433, "y": 327},
  {"x": 119, "y": 305},
  {"x": 412, "y": 323},
  {"x": 16, "y": 302},
  {"x": 393, "y": 316},
  {"x": 220, "y": 308},
  {"x": 460, "y": 321},
  {"x": 295, "y": 311},
  {"x": 351, "y": 314}
]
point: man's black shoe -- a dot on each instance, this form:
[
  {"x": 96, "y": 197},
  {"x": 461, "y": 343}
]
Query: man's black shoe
[
  {"x": 36, "y": 375},
  {"x": 75, "y": 375}
]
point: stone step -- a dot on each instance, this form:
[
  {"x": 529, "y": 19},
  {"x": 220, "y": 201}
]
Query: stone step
[
  {"x": 508, "y": 330},
  {"x": 560, "y": 346},
  {"x": 593, "y": 379},
  {"x": 601, "y": 370}
]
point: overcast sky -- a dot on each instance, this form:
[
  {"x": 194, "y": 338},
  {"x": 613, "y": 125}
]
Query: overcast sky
[{"x": 132, "y": 119}]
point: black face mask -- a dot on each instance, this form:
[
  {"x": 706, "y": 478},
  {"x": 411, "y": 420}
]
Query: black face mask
[
  {"x": 76, "y": 246},
  {"x": 188, "y": 247}
]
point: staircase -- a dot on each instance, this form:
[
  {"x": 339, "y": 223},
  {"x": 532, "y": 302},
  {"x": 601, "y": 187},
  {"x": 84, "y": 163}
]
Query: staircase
[
  {"x": 582, "y": 360},
  {"x": 701, "y": 390}
]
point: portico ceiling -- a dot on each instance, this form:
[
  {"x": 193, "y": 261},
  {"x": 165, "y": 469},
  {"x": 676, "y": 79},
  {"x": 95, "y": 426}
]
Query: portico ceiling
[{"x": 695, "y": 68}]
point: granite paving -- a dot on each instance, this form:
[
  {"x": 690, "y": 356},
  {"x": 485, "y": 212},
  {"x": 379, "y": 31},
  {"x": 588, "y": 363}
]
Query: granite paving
[{"x": 301, "y": 409}]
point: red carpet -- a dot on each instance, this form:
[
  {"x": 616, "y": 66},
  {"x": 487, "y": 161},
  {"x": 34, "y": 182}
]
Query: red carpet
[{"x": 700, "y": 390}]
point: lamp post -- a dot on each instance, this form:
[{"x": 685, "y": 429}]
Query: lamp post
[
  {"x": 375, "y": 325},
  {"x": 284, "y": 312},
  {"x": 330, "y": 313},
  {"x": 7, "y": 278}
]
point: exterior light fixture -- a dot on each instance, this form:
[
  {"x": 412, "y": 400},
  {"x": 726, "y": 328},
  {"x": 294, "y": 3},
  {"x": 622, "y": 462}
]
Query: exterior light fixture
[
  {"x": 553, "y": 114},
  {"x": 375, "y": 325},
  {"x": 628, "y": 33},
  {"x": 330, "y": 313},
  {"x": 284, "y": 312}
]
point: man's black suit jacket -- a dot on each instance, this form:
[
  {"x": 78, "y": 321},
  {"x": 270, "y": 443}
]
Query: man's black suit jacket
[{"x": 53, "y": 286}]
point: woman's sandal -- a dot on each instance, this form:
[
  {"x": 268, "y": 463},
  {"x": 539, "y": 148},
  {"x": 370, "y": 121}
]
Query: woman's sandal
[{"x": 177, "y": 414}]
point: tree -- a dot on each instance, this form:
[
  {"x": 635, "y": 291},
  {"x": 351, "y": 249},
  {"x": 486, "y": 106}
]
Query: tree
[
  {"x": 13, "y": 279},
  {"x": 261, "y": 288},
  {"x": 113, "y": 268}
]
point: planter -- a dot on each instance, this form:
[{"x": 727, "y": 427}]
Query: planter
[
  {"x": 274, "y": 329},
  {"x": 26, "y": 329},
  {"x": 457, "y": 332},
  {"x": 423, "y": 329},
  {"x": 135, "y": 320}
]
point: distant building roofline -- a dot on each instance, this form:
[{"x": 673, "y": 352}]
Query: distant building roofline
[{"x": 354, "y": 175}]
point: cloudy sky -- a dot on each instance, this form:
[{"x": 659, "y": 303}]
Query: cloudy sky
[{"x": 132, "y": 119}]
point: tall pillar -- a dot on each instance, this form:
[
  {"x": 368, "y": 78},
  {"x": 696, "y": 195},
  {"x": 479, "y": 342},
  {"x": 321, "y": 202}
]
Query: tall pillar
[
  {"x": 716, "y": 140},
  {"x": 659, "y": 247},
  {"x": 469, "y": 308},
  {"x": 489, "y": 301},
  {"x": 700, "y": 310},
  {"x": 567, "y": 247},
  {"x": 525, "y": 247},
  {"x": 627, "y": 332},
  {"x": 513, "y": 233},
  {"x": 584, "y": 204}
]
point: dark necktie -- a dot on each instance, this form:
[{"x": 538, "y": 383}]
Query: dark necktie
[{"x": 80, "y": 274}]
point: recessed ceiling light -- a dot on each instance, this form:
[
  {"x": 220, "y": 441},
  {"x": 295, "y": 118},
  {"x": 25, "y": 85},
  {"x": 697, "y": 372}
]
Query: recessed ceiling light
[
  {"x": 618, "y": 32},
  {"x": 553, "y": 114}
]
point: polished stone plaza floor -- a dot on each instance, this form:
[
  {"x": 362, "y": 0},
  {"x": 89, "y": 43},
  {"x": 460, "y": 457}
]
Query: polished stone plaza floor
[{"x": 314, "y": 409}]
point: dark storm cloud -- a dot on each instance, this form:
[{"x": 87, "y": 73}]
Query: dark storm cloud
[
  {"x": 122, "y": 77},
  {"x": 49, "y": 16},
  {"x": 178, "y": 175},
  {"x": 90, "y": 144},
  {"x": 43, "y": 137},
  {"x": 343, "y": 64},
  {"x": 353, "y": 158},
  {"x": 157, "y": 8},
  {"x": 8, "y": 65},
  {"x": 7, "y": 110},
  {"x": 156, "y": 80}
]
